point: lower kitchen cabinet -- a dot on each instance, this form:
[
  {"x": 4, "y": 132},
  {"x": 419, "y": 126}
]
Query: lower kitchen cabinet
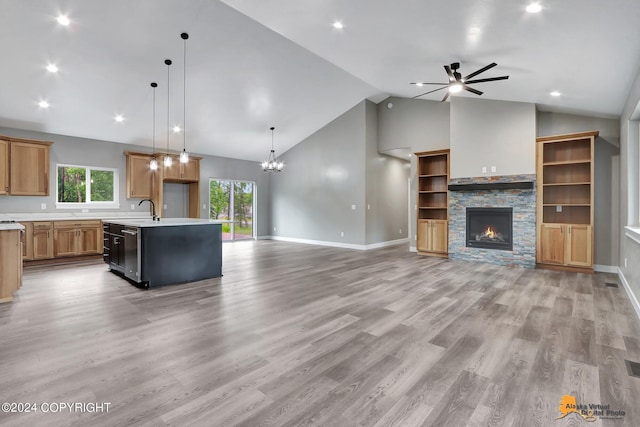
[
  {"x": 432, "y": 236},
  {"x": 565, "y": 245},
  {"x": 73, "y": 238},
  {"x": 10, "y": 263},
  {"x": 42, "y": 245}
]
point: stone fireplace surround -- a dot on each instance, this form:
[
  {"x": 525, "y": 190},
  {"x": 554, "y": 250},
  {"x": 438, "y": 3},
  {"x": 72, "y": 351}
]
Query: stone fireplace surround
[{"x": 523, "y": 202}]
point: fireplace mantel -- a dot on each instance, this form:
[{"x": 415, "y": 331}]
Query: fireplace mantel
[{"x": 480, "y": 186}]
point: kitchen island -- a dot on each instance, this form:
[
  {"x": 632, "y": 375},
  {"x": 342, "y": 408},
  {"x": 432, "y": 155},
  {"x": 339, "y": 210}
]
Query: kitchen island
[{"x": 165, "y": 252}]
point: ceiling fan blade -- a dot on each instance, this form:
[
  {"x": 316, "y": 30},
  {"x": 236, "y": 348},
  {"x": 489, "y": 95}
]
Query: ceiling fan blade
[
  {"x": 424, "y": 83},
  {"x": 490, "y": 79},
  {"x": 449, "y": 73},
  {"x": 445, "y": 96},
  {"x": 472, "y": 90},
  {"x": 481, "y": 70},
  {"x": 431, "y": 91}
]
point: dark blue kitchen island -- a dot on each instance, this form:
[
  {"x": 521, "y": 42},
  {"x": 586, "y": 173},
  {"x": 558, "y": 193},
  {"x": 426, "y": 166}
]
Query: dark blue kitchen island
[{"x": 166, "y": 252}]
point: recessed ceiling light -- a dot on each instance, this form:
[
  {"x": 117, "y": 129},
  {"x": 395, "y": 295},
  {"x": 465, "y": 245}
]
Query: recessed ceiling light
[
  {"x": 63, "y": 20},
  {"x": 338, "y": 25},
  {"x": 176, "y": 129},
  {"x": 534, "y": 8},
  {"x": 43, "y": 104},
  {"x": 419, "y": 84},
  {"x": 474, "y": 31},
  {"x": 118, "y": 118},
  {"x": 52, "y": 68},
  {"x": 555, "y": 93}
]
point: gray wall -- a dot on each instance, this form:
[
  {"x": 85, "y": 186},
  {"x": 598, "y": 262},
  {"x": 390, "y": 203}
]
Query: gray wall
[
  {"x": 89, "y": 152},
  {"x": 417, "y": 124},
  {"x": 387, "y": 188},
  {"x": 492, "y": 133},
  {"x": 629, "y": 191},
  {"x": 324, "y": 176},
  {"x": 606, "y": 176}
]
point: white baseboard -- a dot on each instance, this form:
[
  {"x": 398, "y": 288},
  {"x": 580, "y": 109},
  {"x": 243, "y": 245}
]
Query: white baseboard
[
  {"x": 605, "y": 268},
  {"x": 263, "y": 238},
  {"x": 632, "y": 297},
  {"x": 338, "y": 244},
  {"x": 413, "y": 249}
]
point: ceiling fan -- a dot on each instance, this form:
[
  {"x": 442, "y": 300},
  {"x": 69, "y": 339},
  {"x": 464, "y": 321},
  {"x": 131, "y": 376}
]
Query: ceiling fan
[{"x": 457, "y": 82}]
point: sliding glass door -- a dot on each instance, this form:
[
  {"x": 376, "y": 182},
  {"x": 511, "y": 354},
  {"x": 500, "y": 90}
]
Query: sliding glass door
[{"x": 233, "y": 202}]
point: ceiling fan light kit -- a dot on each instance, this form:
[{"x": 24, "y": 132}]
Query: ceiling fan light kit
[{"x": 457, "y": 83}]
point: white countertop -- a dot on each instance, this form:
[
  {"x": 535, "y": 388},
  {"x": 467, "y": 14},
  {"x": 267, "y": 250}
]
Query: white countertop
[
  {"x": 11, "y": 226},
  {"x": 51, "y": 216},
  {"x": 164, "y": 222}
]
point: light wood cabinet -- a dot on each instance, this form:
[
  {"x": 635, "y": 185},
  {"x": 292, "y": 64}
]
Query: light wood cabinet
[
  {"x": 433, "y": 236},
  {"x": 566, "y": 245},
  {"x": 73, "y": 238},
  {"x": 182, "y": 172},
  {"x": 10, "y": 263},
  {"x": 565, "y": 214},
  {"x": 4, "y": 167},
  {"x": 29, "y": 168},
  {"x": 42, "y": 240},
  {"x": 433, "y": 202},
  {"x": 139, "y": 177}
]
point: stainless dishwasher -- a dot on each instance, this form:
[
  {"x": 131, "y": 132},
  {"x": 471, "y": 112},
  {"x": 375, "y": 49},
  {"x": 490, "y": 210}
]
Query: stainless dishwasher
[{"x": 131, "y": 257}]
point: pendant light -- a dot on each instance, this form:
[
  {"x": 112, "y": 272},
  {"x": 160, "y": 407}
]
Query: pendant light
[
  {"x": 184, "y": 156},
  {"x": 168, "y": 161},
  {"x": 153, "y": 164},
  {"x": 272, "y": 164}
]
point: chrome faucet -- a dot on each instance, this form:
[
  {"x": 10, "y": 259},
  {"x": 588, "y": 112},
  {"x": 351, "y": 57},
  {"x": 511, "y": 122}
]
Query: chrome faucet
[{"x": 153, "y": 207}]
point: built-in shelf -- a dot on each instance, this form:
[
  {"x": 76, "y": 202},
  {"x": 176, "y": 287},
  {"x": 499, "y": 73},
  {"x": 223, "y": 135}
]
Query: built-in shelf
[
  {"x": 565, "y": 183},
  {"x": 566, "y": 162},
  {"x": 432, "y": 175},
  {"x": 518, "y": 185},
  {"x": 433, "y": 192},
  {"x": 566, "y": 204}
]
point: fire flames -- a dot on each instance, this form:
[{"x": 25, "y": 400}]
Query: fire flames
[{"x": 489, "y": 233}]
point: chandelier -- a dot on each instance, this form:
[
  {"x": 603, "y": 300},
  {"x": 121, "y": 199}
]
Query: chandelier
[{"x": 272, "y": 164}]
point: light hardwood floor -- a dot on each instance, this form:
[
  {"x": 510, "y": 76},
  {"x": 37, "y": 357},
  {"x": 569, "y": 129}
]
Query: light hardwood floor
[{"x": 304, "y": 335}]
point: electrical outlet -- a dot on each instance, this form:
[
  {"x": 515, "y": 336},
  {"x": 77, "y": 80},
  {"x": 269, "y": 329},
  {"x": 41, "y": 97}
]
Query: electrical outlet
[
  {"x": 204, "y": 207},
  {"x": 400, "y": 232},
  {"x": 353, "y": 207},
  {"x": 43, "y": 206},
  {"x": 368, "y": 207},
  {"x": 133, "y": 206},
  {"x": 493, "y": 169},
  {"x": 85, "y": 210},
  {"x": 559, "y": 208},
  {"x": 274, "y": 229},
  {"x": 164, "y": 206},
  {"x": 484, "y": 169},
  {"x": 625, "y": 263},
  {"x": 342, "y": 234}
]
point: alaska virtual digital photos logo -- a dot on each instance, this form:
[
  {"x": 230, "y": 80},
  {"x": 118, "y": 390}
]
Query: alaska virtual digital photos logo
[{"x": 589, "y": 412}]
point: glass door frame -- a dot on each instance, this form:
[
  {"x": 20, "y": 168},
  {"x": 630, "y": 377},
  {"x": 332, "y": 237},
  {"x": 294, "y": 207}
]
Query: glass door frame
[{"x": 231, "y": 221}]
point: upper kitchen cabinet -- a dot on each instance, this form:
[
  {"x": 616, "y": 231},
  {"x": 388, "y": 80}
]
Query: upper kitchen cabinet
[
  {"x": 26, "y": 163},
  {"x": 4, "y": 167},
  {"x": 182, "y": 172},
  {"x": 139, "y": 176}
]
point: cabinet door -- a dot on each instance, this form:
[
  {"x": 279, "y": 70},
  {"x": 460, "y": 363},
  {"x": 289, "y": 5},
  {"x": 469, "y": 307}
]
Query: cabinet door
[
  {"x": 27, "y": 241},
  {"x": 88, "y": 240},
  {"x": 172, "y": 172},
  {"x": 42, "y": 244},
  {"x": 552, "y": 246},
  {"x": 29, "y": 169},
  {"x": 578, "y": 251},
  {"x": 439, "y": 236},
  {"x": 65, "y": 242},
  {"x": 191, "y": 170},
  {"x": 139, "y": 177},
  {"x": 4, "y": 167},
  {"x": 423, "y": 243}
]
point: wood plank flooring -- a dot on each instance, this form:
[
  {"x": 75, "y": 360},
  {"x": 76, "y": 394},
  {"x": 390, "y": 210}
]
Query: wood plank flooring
[{"x": 300, "y": 335}]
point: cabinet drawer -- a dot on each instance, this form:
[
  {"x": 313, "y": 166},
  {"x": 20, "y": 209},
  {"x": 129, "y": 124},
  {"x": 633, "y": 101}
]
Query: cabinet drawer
[
  {"x": 42, "y": 225},
  {"x": 76, "y": 224}
]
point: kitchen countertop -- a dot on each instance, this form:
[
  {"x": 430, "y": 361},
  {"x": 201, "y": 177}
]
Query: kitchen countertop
[
  {"x": 164, "y": 222},
  {"x": 11, "y": 226},
  {"x": 51, "y": 216}
]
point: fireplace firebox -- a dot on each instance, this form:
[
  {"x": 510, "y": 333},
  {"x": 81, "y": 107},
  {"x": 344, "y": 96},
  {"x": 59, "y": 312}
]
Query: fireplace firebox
[{"x": 490, "y": 228}]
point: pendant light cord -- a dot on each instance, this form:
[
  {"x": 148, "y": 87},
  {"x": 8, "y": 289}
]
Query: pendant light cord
[
  {"x": 184, "y": 95},
  {"x": 154, "y": 85},
  {"x": 168, "y": 62}
]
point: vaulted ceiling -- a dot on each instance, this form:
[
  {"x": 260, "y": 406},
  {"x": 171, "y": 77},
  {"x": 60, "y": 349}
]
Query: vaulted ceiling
[{"x": 252, "y": 64}]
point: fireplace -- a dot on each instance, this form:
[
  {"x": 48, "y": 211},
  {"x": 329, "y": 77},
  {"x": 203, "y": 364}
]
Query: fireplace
[{"x": 490, "y": 228}]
